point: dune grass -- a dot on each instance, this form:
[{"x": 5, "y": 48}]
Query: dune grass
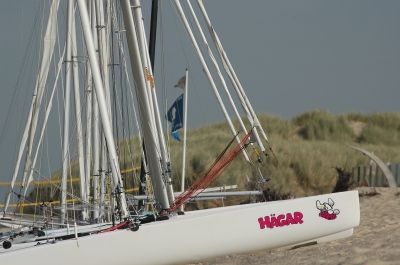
[{"x": 308, "y": 150}]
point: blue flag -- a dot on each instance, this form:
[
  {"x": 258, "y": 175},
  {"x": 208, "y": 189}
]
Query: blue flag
[
  {"x": 175, "y": 116},
  {"x": 175, "y": 135}
]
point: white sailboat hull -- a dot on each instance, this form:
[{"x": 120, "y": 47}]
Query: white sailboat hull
[{"x": 203, "y": 235}]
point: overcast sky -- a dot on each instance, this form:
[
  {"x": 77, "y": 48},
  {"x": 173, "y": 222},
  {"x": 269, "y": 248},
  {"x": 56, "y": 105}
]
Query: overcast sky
[{"x": 290, "y": 56}]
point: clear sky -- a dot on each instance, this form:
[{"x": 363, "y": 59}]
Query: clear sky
[{"x": 290, "y": 56}]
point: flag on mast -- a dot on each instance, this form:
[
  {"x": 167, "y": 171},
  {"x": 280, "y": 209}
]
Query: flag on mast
[
  {"x": 175, "y": 116},
  {"x": 181, "y": 82}
]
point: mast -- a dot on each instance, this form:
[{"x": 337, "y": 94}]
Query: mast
[
  {"x": 166, "y": 165},
  {"x": 103, "y": 59},
  {"x": 102, "y": 48},
  {"x": 79, "y": 135},
  {"x": 96, "y": 125},
  {"x": 46, "y": 116},
  {"x": 48, "y": 48},
  {"x": 207, "y": 72},
  {"x": 235, "y": 81},
  {"x": 114, "y": 163},
  {"x": 65, "y": 149},
  {"x": 217, "y": 68},
  {"x": 88, "y": 132},
  {"x": 243, "y": 104},
  {"x": 152, "y": 49},
  {"x": 153, "y": 31},
  {"x": 146, "y": 115}
]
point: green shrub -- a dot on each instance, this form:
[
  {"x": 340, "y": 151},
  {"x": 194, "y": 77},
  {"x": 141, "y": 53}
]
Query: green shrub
[
  {"x": 385, "y": 120},
  {"x": 373, "y": 134},
  {"x": 355, "y": 116},
  {"x": 321, "y": 125}
]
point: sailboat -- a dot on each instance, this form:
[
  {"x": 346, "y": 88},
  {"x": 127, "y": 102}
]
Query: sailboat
[{"x": 194, "y": 236}]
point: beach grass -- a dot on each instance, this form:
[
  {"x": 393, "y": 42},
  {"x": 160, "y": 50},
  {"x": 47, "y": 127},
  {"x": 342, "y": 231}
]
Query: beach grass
[{"x": 306, "y": 152}]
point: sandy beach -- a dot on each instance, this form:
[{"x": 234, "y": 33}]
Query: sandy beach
[{"x": 375, "y": 241}]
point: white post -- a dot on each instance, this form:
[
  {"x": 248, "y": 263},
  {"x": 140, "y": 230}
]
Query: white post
[{"x": 184, "y": 135}]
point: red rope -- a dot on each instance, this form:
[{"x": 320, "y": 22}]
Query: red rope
[
  {"x": 115, "y": 227},
  {"x": 211, "y": 174}
]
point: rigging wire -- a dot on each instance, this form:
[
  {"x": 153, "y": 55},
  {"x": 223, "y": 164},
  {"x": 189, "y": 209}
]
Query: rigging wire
[
  {"x": 58, "y": 187},
  {"x": 185, "y": 55},
  {"x": 116, "y": 122},
  {"x": 22, "y": 70},
  {"x": 188, "y": 65},
  {"x": 215, "y": 170},
  {"x": 37, "y": 26},
  {"x": 116, "y": 22}
]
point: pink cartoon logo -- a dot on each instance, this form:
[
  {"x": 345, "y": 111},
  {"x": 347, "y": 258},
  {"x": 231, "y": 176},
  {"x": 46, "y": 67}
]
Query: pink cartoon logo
[{"x": 326, "y": 209}]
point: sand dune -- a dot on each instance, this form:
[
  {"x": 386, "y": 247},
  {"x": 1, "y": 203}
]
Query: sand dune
[{"x": 376, "y": 241}]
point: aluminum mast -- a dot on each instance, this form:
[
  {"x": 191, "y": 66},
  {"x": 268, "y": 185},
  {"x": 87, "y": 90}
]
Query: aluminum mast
[
  {"x": 144, "y": 106},
  {"x": 114, "y": 163}
]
